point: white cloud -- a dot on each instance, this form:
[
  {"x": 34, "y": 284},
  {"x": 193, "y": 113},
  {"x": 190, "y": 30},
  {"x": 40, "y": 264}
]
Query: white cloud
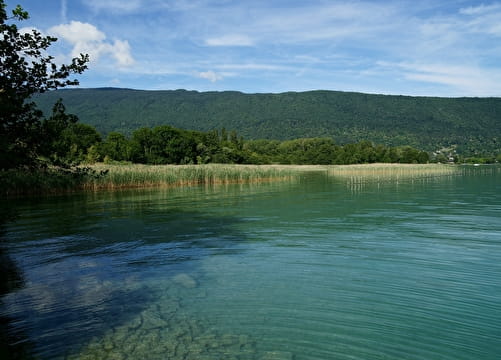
[
  {"x": 230, "y": 40},
  {"x": 87, "y": 39},
  {"x": 121, "y": 52},
  {"x": 210, "y": 75},
  {"x": 29, "y": 30},
  {"x": 77, "y": 32}
]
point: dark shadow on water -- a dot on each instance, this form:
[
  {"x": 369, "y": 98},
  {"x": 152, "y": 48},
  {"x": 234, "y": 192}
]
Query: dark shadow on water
[
  {"x": 13, "y": 344},
  {"x": 86, "y": 270}
]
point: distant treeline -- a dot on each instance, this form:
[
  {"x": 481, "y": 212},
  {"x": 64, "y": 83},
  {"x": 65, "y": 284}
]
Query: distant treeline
[
  {"x": 168, "y": 145},
  {"x": 469, "y": 125}
]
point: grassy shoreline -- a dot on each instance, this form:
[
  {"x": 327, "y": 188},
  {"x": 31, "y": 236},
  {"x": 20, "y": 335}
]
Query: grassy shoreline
[
  {"x": 141, "y": 176},
  {"x": 14, "y": 183},
  {"x": 129, "y": 176}
]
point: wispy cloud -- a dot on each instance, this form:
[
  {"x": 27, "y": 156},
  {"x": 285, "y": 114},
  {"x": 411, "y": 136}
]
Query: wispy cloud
[
  {"x": 468, "y": 79},
  {"x": 120, "y": 6},
  {"x": 64, "y": 11},
  {"x": 480, "y": 9},
  {"x": 230, "y": 40}
]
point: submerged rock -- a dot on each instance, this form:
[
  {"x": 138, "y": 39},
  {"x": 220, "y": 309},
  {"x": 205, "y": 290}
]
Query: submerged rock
[
  {"x": 185, "y": 280},
  {"x": 164, "y": 331},
  {"x": 277, "y": 355},
  {"x": 152, "y": 319},
  {"x": 115, "y": 355},
  {"x": 168, "y": 307}
]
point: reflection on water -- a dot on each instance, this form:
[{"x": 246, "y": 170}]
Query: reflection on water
[{"x": 306, "y": 270}]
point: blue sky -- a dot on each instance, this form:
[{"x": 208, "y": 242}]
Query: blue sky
[{"x": 429, "y": 47}]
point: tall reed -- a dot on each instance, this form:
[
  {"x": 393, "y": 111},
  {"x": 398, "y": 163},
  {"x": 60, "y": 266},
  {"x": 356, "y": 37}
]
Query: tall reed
[
  {"x": 136, "y": 176},
  {"x": 390, "y": 172}
]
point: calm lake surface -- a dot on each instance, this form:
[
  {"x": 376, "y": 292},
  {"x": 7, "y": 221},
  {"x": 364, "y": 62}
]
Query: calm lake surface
[{"x": 319, "y": 268}]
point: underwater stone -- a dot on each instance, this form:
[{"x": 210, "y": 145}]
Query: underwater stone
[
  {"x": 151, "y": 338},
  {"x": 114, "y": 355},
  {"x": 108, "y": 343},
  {"x": 168, "y": 307},
  {"x": 243, "y": 339},
  {"x": 195, "y": 328},
  {"x": 135, "y": 323},
  {"x": 81, "y": 357},
  {"x": 229, "y": 339},
  {"x": 277, "y": 355},
  {"x": 179, "y": 332},
  {"x": 182, "y": 337},
  {"x": 121, "y": 333},
  {"x": 185, "y": 280},
  {"x": 128, "y": 346},
  {"x": 170, "y": 345},
  {"x": 181, "y": 351},
  {"x": 94, "y": 345},
  {"x": 152, "y": 320}
]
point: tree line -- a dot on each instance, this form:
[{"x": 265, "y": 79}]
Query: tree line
[{"x": 168, "y": 145}]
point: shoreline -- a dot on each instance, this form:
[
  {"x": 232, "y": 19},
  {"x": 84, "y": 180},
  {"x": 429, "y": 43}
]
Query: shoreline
[{"x": 16, "y": 183}]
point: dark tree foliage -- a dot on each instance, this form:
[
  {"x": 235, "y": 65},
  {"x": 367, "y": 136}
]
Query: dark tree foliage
[
  {"x": 116, "y": 147},
  {"x": 168, "y": 145},
  {"x": 25, "y": 70},
  {"x": 74, "y": 144}
]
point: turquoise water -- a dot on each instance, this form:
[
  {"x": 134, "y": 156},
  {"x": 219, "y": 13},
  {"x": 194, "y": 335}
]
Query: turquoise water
[{"x": 320, "y": 268}]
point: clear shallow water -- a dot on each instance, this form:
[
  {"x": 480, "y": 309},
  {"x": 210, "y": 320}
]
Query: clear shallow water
[{"x": 319, "y": 269}]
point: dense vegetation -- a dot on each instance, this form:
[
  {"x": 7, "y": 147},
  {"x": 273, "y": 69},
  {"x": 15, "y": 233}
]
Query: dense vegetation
[
  {"x": 26, "y": 135},
  {"x": 471, "y": 126},
  {"x": 167, "y": 145}
]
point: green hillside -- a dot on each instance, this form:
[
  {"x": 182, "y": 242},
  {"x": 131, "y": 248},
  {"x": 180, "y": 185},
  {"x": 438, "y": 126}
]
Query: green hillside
[{"x": 428, "y": 123}]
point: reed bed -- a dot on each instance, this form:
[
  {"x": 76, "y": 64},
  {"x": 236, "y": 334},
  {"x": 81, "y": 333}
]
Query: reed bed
[
  {"x": 139, "y": 176},
  {"x": 128, "y": 176},
  {"x": 390, "y": 172}
]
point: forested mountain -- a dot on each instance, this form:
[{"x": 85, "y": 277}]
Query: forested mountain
[{"x": 428, "y": 123}]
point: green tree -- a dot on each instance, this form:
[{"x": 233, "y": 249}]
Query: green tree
[
  {"x": 409, "y": 155},
  {"x": 116, "y": 147},
  {"x": 25, "y": 70},
  {"x": 141, "y": 145}
]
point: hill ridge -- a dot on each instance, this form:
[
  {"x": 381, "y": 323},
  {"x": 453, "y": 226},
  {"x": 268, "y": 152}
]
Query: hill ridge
[{"x": 472, "y": 124}]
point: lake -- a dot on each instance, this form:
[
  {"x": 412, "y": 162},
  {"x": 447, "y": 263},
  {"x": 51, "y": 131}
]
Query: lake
[{"x": 317, "y": 268}]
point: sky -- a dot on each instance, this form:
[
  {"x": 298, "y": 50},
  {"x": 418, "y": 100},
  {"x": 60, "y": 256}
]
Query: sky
[{"x": 416, "y": 47}]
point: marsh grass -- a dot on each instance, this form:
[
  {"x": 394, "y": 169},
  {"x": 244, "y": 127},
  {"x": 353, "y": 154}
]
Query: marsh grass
[
  {"x": 139, "y": 176},
  {"x": 129, "y": 176},
  {"x": 390, "y": 172}
]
